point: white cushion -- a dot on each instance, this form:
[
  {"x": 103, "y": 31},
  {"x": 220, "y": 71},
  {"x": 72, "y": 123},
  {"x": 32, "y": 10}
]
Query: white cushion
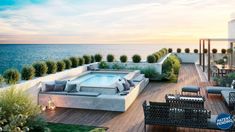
[
  {"x": 68, "y": 83},
  {"x": 120, "y": 86}
]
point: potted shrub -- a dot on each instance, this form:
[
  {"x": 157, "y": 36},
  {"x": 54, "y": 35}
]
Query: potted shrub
[
  {"x": 187, "y": 50},
  {"x": 81, "y": 61},
  {"x": 157, "y": 56},
  {"x": 195, "y": 50},
  {"x": 170, "y": 50},
  {"x": 52, "y": 67},
  {"x": 40, "y": 69},
  {"x": 92, "y": 59},
  {"x": 223, "y": 51},
  {"x": 68, "y": 63},
  {"x": 229, "y": 51},
  {"x": 60, "y": 66},
  {"x": 87, "y": 59},
  {"x": 123, "y": 58},
  {"x": 74, "y": 61},
  {"x": 178, "y": 50},
  {"x": 214, "y": 51},
  {"x": 103, "y": 65},
  {"x": 205, "y": 51},
  {"x": 27, "y": 73},
  {"x": 98, "y": 57},
  {"x": 136, "y": 58},
  {"x": 151, "y": 59},
  {"x": 11, "y": 76},
  {"x": 110, "y": 58}
]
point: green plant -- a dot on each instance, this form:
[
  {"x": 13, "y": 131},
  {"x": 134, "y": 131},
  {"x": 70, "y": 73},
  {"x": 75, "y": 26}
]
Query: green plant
[
  {"x": 19, "y": 113},
  {"x": 157, "y": 56},
  {"x": 103, "y": 65},
  {"x": 230, "y": 50},
  {"x": 74, "y": 61},
  {"x": 187, "y": 50},
  {"x": 151, "y": 59},
  {"x": 225, "y": 80},
  {"x": 110, "y": 58},
  {"x": 176, "y": 63},
  {"x": 27, "y": 73},
  {"x": 60, "y": 65},
  {"x": 150, "y": 72},
  {"x": 98, "y": 57},
  {"x": 40, "y": 69},
  {"x": 205, "y": 51},
  {"x": 170, "y": 50},
  {"x": 117, "y": 66},
  {"x": 214, "y": 51},
  {"x": 1, "y": 80},
  {"x": 81, "y": 61},
  {"x": 195, "y": 50},
  {"x": 68, "y": 63},
  {"x": 136, "y": 58},
  {"x": 123, "y": 58},
  {"x": 11, "y": 76},
  {"x": 170, "y": 68},
  {"x": 178, "y": 50},
  {"x": 92, "y": 59},
  {"x": 87, "y": 59},
  {"x": 52, "y": 67},
  {"x": 223, "y": 51}
]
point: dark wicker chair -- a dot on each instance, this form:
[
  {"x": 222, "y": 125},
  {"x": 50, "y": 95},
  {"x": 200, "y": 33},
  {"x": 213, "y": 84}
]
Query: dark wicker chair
[
  {"x": 231, "y": 99},
  {"x": 164, "y": 114}
]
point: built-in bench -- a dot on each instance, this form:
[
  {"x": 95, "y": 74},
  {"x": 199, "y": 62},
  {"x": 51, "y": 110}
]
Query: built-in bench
[{"x": 217, "y": 90}]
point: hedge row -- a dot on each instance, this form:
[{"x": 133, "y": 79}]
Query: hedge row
[
  {"x": 157, "y": 55},
  {"x": 39, "y": 69},
  {"x": 187, "y": 50}
]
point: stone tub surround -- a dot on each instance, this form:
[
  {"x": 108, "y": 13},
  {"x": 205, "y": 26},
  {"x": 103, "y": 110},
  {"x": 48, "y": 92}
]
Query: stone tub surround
[{"x": 101, "y": 102}]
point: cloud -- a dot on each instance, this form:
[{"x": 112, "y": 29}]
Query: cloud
[{"x": 113, "y": 21}]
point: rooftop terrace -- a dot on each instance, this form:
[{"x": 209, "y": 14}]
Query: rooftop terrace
[{"x": 133, "y": 119}]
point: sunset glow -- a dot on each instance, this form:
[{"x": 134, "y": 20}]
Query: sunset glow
[{"x": 113, "y": 21}]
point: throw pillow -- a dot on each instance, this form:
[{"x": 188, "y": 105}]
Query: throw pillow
[
  {"x": 59, "y": 87},
  {"x": 72, "y": 88},
  {"x": 49, "y": 87}
]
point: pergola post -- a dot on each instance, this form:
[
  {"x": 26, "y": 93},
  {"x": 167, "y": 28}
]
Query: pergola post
[
  {"x": 209, "y": 61},
  {"x": 200, "y": 48},
  {"x": 203, "y": 55},
  {"x": 231, "y": 61}
]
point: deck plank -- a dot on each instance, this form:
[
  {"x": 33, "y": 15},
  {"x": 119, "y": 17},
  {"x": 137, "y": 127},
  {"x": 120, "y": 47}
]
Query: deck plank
[{"x": 133, "y": 119}]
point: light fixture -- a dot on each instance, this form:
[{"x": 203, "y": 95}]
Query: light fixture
[{"x": 51, "y": 104}]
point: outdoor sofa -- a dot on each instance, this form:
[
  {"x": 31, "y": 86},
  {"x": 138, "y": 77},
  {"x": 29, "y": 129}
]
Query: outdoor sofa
[{"x": 158, "y": 113}]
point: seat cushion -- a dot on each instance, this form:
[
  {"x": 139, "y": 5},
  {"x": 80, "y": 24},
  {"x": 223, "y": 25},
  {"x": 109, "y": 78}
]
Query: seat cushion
[
  {"x": 139, "y": 78},
  {"x": 54, "y": 92},
  {"x": 217, "y": 90},
  {"x": 91, "y": 94},
  {"x": 190, "y": 89}
]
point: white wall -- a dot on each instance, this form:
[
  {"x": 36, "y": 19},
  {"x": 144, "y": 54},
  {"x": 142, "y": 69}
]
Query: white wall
[{"x": 32, "y": 86}]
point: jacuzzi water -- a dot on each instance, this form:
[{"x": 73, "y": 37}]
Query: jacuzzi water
[{"x": 99, "y": 79}]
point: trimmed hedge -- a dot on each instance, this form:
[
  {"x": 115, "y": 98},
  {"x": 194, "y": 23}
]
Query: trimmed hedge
[
  {"x": 195, "y": 50},
  {"x": 214, "y": 51},
  {"x": 103, "y": 65},
  {"x": 81, "y": 61},
  {"x": 205, "y": 51},
  {"x": 87, "y": 59},
  {"x": 229, "y": 51},
  {"x": 92, "y": 59},
  {"x": 52, "y": 67},
  {"x": 151, "y": 59},
  {"x": 110, "y": 58},
  {"x": 170, "y": 68},
  {"x": 40, "y": 69},
  {"x": 187, "y": 50},
  {"x": 68, "y": 63},
  {"x": 60, "y": 66},
  {"x": 136, "y": 58},
  {"x": 74, "y": 61},
  {"x": 123, "y": 58},
  {"x": 27, "y": 73},
  {"x": 178, "y": 50},
  {"x": 98, "y": 57},
  {"x": 157, "y": 56},
  {"x": 11, "y": 76}
]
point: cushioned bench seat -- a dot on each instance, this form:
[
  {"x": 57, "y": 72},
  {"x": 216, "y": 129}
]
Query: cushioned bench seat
[
  {"x": 194, "y": 89},
  {"x": 139, "y": 78},
  {"x": 216, "y": 90},
  {"x": 90, "y": 94}
]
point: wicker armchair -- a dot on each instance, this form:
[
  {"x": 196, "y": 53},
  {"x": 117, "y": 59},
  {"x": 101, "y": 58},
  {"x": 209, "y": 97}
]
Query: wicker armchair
[{"x": 231, "y": 99}]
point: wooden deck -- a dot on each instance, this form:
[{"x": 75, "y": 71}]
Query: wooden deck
[{"x": 132, "y": 119}]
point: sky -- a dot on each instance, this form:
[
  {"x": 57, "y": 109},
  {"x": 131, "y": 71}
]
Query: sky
[{"x": 113, "y": 21}]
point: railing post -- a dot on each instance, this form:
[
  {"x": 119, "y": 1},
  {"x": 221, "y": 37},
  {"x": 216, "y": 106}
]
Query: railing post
[
  {"x": 200, "y": 57},
  {"x": 203, "y": 55},
  {"x": 209, "y": 60}
]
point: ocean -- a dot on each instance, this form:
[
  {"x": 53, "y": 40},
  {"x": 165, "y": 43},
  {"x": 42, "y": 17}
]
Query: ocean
[{"x": 18, "y": 55}]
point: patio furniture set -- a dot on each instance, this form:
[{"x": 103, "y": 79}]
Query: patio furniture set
[{"x": 185, "y": 110}]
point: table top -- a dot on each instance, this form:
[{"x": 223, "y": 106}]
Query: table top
[
  {"x": 224, "y": 67},
  {"x": 183, "y": 97}
]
